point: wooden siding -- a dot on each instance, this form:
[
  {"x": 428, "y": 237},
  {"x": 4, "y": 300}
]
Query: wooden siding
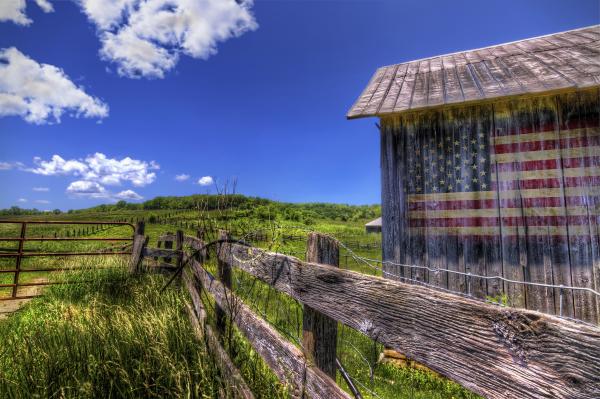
[
  {"x": 533, "y": 215},
  {"x": 562, "y": 61}
]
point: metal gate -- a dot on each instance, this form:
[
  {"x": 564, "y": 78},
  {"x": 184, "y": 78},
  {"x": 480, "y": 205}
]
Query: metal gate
[{"x": 20, "y": 252}]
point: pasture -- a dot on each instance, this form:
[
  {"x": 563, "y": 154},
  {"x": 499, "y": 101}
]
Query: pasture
[{"x": 107, "y": 333}]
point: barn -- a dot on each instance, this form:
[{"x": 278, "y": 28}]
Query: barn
[
  {"x": 490, "y": 166},
  {"x": 374, "y": 226}
]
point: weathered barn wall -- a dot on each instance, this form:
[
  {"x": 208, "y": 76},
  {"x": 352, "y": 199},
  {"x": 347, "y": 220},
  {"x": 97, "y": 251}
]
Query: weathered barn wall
[{"x": 508, "y": 188}]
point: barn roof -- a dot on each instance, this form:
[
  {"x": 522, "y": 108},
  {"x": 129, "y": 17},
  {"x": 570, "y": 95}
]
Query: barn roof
[
  {"x": 375, "y": 223},
  {"x": 566, "y": 60}
]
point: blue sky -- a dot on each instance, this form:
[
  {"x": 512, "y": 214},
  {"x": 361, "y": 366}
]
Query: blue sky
[{"x": 268, "y": 108}]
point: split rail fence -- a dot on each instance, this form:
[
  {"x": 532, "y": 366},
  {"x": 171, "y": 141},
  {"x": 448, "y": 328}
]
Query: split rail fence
[{"x": 498, "y": 352}]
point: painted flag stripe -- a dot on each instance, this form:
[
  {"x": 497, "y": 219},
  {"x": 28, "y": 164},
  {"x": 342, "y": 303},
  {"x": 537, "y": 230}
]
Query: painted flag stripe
[
  {"x": 543, "y": 145},
  {"x": 547, "y": 135},
  {"x": 578, "y": 152},
  {"x": 532, "y": 202},
  {"x": 574, "y": 232},
  {"x": 567, "y": 163},
  {"x": 478, "y": 195},
  {"x": 587, "y": 121},
  {"x": 504, "y": 212},
  {"x": 506, "y": 221}
]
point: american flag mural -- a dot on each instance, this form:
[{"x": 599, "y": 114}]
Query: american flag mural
[
  {"x": 458, "y": 180},
  {"x": 510, "y": 188}
]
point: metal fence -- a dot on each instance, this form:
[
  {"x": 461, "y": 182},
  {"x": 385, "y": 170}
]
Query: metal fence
[{"x": 21, "y": 253}]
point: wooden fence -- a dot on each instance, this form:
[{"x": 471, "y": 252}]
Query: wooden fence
[{"x": 495, "y": 351}]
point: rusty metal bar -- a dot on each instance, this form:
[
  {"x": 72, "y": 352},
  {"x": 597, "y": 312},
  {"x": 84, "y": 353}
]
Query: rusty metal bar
[
  {"x": 19, "y": 257},
  {"x": 67, "y": 222},
  {"x": 20, "y": 254},
  {"x": 31, "y": 254},
  {"x": 66, "y": 239},
  {"x": 57, "y": 269},
  {"x": 40, "y": 283},
  {"x": 10, "y": 298}
]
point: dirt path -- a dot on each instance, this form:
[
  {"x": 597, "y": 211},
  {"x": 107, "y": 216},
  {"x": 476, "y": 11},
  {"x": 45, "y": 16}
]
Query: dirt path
[{"x": 8, "y": 307}]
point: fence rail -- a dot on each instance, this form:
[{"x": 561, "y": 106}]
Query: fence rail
[
  {"x": 498, "y": 352},
  {"x": 20, "y": 253}
]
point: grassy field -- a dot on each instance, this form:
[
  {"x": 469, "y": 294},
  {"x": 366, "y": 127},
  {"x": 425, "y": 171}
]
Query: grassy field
[{"x": 51, "y": 337}]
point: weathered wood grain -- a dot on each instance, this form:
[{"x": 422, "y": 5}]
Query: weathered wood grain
[
  {"x": 224, "y": 275},
  {"x": 160, "y": 252},
  {"x": 562, "y": 61},
  {"x": 494, "y": 351},
  {"x": 168, "y": 244},
  {"x": 137, "y": 250},
  {"x": 286, "y": 361},
  {"x": 204, "y": 331},
  {"x": 319, "y": 332}
]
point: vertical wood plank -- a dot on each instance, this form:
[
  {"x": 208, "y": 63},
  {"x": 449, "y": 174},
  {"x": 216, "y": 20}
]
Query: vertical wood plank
[
  {"x": 504, "y": 122},
  {"x": 137, "y": 249},
  {"x": 168, "y": 245},
  {"x": 224, "y": 275},
  {"x": 580, "y": 123},
  {"x": 319, "y": 332},
  {"x": 537, "y": 116}
]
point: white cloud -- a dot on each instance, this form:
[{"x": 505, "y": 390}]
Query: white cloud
[
  {"x": 145, "y": 37},
  {"x": 40, "y": 93},
  {"x": 111, "y": 171},
  {"x": 14, "y": 10},
  {"x": 41, "y": 189},
  {"x": 182, "y": 177},
  {"x": 96, "y": 171},
  {"x": 128, "y": 195},
  {"x": 44, "y": 5},
  {"x": 100, "y": 169},
  {"x": 22, "y": 200},
  {"x": 205, "y": 181},
  {"x": 10, "y": 165},
  {"x": 42, "y": 201},
  {"x": 58, "y": 166},
  {"x": 90, "y": 189},
  {"x": 87, "y": 189},
  {"x": 106, "y": 14}
]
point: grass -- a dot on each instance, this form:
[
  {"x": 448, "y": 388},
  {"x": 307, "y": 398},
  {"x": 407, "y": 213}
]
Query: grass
[
  {"x": 115, "y": 336},
  {"x": 118, "y": 337}
]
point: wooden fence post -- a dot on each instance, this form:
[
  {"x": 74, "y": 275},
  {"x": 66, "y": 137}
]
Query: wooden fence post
[
  {"x": 168, "y": 245},
  {"x": 137, "y": 250},
  {"x": 202, "y": 255},
  {"x": 319, "y": 332},
  {"x": 179, "y": 247},
  {"x": 224, "y": 275}
]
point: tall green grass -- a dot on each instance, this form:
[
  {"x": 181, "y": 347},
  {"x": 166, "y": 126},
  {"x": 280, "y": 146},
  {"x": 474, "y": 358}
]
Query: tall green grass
[
  {"x": 117, "y": 337},
  {"x": 111, "y": 336}
]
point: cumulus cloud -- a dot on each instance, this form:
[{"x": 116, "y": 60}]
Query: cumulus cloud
[
  {"x": 182, "y": 177},
  {"x": 41, "y": 189},
  {"x": 205, "y": 181},
  {"x": 22, "y": 200},
  {"x": 41, "y": 93},
  {"x": 83, "y": 188},
  {"x": 42, "y": 201},
  {"x": 58, "y": 166},
  {"x": 100, "y": 169},
  {"x": 128, "y": 195},
  {"x": 14, "y": 10},
  {"x": 145, "y": 38},
  {"x": 90, "y": 189},
  {"x": 96, "y": 171}
]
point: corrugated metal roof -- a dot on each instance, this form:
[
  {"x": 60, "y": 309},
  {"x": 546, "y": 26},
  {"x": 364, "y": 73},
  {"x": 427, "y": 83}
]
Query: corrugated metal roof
[{"x": 547, "y": 63}]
